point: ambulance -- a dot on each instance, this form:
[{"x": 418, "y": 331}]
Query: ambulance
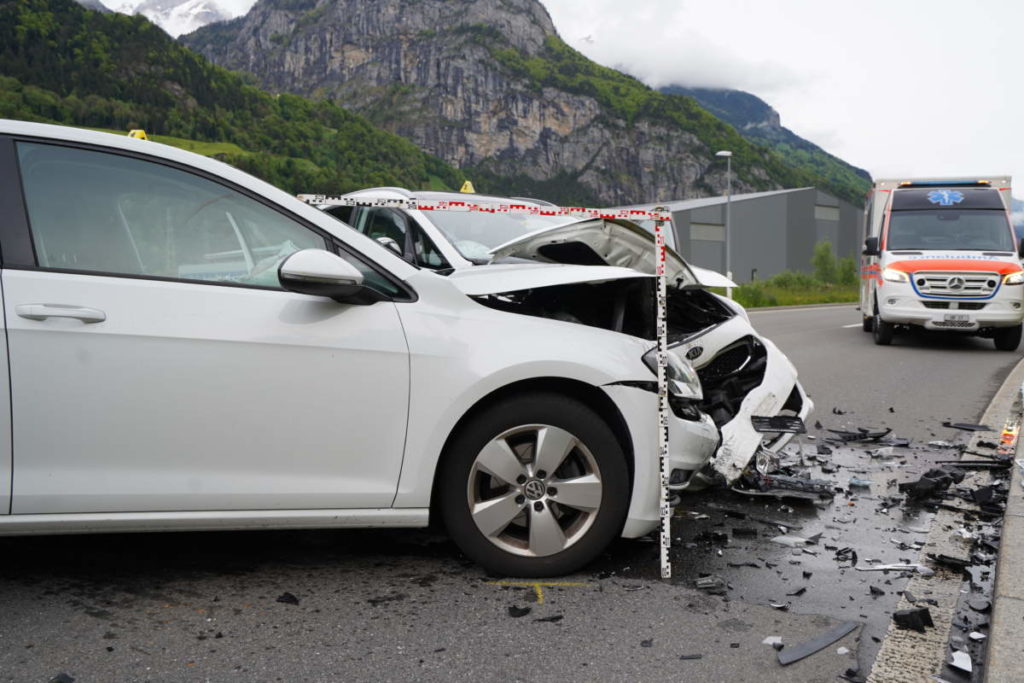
[{"x": 941, "y": 254}]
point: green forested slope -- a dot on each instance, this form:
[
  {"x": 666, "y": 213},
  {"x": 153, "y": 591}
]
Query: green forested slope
[{"x": 61, "y": 63}]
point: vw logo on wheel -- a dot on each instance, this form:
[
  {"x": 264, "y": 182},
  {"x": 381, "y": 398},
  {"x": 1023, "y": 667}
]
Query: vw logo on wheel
[
  {"x": 534, "y": 489},
  {"x": 956, "y": 283}
]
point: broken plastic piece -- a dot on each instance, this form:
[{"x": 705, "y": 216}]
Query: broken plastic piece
[
  {"x": 287, "y": 598},
  {"x": 975, "y": 635},
  {"x": 843, "y": 651},
  {"x": 805, "y": 649},
  {"x": 790, "y": 541},
  {"x": 968, "y": 427},
  {"x": 781, "y": 606},
  {"x": 919, "y": 568},
  {"x": 772, "y": 640},
  {"x": 875, "y": 590},
  {"x": 714, "y": 585},
  {"x": 941, "y": 444},
  {"x": 915, "y": 619},
  {"x": 516, "y": 612},
  {"x": 884, "y": 452},
  {"x": 690, "y": 656},
  {"x": 856, "y": 482},
  {"x": 961, "y": 660},
  {"x": 958, "y": 564}
]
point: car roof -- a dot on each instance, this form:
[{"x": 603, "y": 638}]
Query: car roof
[{"x": 441, "y": 196}]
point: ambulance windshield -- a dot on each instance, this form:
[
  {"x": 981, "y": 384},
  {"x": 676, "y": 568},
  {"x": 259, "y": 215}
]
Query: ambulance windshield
[{"x": 950, "y": 230}]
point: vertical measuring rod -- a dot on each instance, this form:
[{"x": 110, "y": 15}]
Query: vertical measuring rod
[{"x": 662, "y": 330}]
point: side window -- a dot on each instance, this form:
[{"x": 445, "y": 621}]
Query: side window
[
  {"x": 342, "y": 213},
  {"x": 108, "y": 213},
  {"x": 378, "y": 223},
  {"x": 427, "y": 254}
]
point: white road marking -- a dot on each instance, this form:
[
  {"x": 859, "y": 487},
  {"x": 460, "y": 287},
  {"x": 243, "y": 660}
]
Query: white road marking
[{"x": 853, "y": 325}]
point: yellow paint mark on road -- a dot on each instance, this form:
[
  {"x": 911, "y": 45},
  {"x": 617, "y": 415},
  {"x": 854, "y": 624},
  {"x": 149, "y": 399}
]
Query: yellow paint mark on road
[{"x": 538, "y": 586}]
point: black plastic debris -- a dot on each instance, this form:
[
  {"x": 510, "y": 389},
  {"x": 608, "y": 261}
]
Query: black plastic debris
[
  {"x": 968, "y": 427},
  {"x": 824, "y": 450},
  {"x": 914, "y": 619},
  {"x": 62, "y": 678},
  {"x": 287, "y": 598},
  {"x": 836, "y": 411},
  {"x": 859, "y": 435},
  {"x": 957, "y": 564},
  {"x": 846, "y": 555},
  {"x": 647, "y": 643},
  {"x": 807, "y": 648},
  {"x": 685, "y": 657},
  {"x": 737, "y": 565},
  {"x": 515, "y": 611},
  {"x": 798, "y": 592},
  {"x": 911, "y": 598},
  {"x": 744, "y": 531},
  {"x": 931, "y": 483},
  {"x": 553, "y": 619},
  {"x": 876, "y": 591},
  {"x": 983, "y": 494},
  {"x": 818, "y": 425},
  {"x": 985, "y": 444}
]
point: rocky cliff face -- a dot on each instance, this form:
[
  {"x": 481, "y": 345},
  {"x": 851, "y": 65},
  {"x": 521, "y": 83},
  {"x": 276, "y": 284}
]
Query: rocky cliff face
[{"x": 461, "y": 78}]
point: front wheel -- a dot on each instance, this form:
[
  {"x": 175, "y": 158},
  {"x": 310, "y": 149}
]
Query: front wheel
[
  {"x": 536, "y": 485},
  {"x": 883, "y": 331},
  {"x": 1007, "y": 338}
]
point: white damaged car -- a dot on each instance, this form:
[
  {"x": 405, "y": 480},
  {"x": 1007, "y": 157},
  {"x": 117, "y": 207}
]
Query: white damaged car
[
  {"x": 751, "y": 389},
  {"x": 190, "y": 348}
]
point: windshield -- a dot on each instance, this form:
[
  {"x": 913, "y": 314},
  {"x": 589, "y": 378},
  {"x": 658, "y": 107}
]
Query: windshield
[
  {"x": 670, "y": 238},
  {"x": 474, "y": 234},
  {"x": 949, "y": 230}
]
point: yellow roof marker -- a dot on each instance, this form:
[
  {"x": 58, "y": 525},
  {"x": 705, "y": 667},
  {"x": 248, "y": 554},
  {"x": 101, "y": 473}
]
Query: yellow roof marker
[
  {"x": 138, "y": 133},
  {"x": 538, "y": 586},
  {"x": 467, "y": 187}
]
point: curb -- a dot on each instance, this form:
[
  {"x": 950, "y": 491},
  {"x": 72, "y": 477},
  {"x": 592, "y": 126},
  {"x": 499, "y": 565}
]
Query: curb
[
  {"x": 911, "y": 656},
  {"x": 1007, "y": 628}
]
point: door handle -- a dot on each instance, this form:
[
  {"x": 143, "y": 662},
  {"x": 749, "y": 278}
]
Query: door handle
[{"x": 44, "y": 311}]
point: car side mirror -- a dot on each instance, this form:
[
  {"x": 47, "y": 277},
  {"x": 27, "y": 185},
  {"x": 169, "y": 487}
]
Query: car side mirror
[
  {"x": 318, "y": 272},
  {"x": 390, "y": 244},
  {"x": 871, "y": 247},
  {"x": 1020, "y": 248}
]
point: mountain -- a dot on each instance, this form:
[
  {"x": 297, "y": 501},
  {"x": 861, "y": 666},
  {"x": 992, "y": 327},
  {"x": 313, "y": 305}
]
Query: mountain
[
  {"x": 757, "y": 121},
  {"x": 61, "y": 63},
  {"x": 491, "y": 88},
  {"x": 177, "y": 17}
]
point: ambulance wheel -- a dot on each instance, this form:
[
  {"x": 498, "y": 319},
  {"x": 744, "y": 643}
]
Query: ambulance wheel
[
  {"x": 867, "y": 323},
  {"x": 883, "y": 331},
  {"x": 1007, "y": 338}
]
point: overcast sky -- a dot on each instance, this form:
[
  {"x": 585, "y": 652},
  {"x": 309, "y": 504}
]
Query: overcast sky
[{"x": 903, "y": 87}]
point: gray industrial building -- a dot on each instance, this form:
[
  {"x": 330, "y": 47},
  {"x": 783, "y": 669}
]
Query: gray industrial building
[{"x": 770, "y": 231}]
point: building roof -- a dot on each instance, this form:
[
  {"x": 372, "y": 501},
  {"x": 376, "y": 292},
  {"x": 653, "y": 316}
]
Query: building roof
[{"x": 687, "y": 204}]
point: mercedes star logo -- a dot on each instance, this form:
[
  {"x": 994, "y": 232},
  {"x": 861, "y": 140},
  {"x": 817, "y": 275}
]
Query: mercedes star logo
[{"x": 956, "y": 283}]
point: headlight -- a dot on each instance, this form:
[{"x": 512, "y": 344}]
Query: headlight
[
  {"x": 682, "y": 380},
  {"x": 891, "y": 275},
  {"x": 1014, "y": 278}
]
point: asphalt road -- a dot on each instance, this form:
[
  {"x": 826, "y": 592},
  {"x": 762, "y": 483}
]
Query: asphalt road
[{"x": 397, "y": 605}]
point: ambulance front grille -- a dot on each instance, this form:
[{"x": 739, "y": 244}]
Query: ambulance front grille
[{"x": 951, "y": 283}]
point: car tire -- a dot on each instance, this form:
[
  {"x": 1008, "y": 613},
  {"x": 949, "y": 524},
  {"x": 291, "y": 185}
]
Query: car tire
[
  {"x": 883, "y": 331},
  {"x": 527, "y": 527},
  {"x": 867, "y": 323},
  {"x": 1007, "y": 338}
]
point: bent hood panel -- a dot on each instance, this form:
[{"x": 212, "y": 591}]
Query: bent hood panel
[
  {"x": 596, "y": 242},
  {"x": 711, "y": 278},
  {"x": 497, "y": 279}
]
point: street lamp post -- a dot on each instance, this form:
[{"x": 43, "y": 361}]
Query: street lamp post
[{"x": 728, "y": 205}]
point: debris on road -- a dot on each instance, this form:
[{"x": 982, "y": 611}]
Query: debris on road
[
  {"x": 690, "y": 656},
  {"x": 968, "y": 427},
  {"x": 287, "y": 598},
  {"x": 714, "y": 585},
  {"x": 915, "y": 619},
  {"x": 788, "y": 655},
  {"x": 515, "y": 611},
  {"x": 961, "y": 660}
]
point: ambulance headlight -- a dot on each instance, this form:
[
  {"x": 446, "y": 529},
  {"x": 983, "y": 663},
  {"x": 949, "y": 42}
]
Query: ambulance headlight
[
  {"x": 682, "y": 380},
  {"x": 1014, "y": 278},
  {"x": 890, "y": 275}
]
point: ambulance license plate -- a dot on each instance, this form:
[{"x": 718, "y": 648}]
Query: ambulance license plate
[{"x": 957, "y": 317}]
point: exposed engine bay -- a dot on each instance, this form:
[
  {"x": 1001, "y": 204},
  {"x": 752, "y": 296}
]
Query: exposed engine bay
[{"x": 625, "y": 306}]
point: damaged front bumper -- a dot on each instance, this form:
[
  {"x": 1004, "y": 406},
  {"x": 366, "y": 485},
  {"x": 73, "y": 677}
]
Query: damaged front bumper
[{"x": 734, "y": 402}]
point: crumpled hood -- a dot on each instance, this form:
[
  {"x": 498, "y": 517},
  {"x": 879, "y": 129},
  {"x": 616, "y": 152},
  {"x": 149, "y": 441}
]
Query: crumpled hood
[
  {"x": 514, "y": 277},
  {"x": 597, "y": 242}
]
